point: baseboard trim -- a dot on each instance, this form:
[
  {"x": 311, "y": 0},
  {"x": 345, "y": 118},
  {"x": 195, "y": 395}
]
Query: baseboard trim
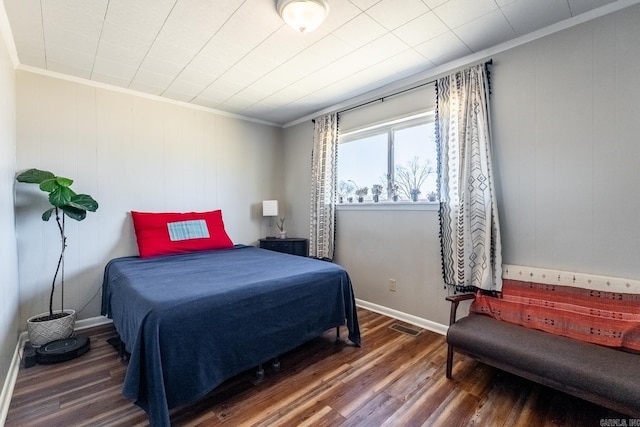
[
  {"x": 408, "y": 318},
  {"x": 14, "y": 367},
  {"x": 12, "y": 376},
  {"x": 90, "y": 323}
]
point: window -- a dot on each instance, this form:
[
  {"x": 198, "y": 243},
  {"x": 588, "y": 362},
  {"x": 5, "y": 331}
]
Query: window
[{"x": 396, "y": 158}]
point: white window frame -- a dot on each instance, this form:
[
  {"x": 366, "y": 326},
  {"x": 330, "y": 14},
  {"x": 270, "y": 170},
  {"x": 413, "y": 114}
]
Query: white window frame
[{"x": 388, "y": 127}]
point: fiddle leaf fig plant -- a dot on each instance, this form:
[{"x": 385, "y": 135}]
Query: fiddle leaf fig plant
[{"x": 64, "y": 202}]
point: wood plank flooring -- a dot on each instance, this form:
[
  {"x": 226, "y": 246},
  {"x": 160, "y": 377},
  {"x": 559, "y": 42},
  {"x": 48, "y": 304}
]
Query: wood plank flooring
[{"x": 394, "y": 379}]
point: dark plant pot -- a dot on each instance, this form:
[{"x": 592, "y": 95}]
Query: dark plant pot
[
  {"x": 375, "y": 198},
  {"x": 360, "y": 199},
  {"x": 414, "y": 197},
  {"x": 340, "y": 199},
  {"x": 350, "y": 199},
  {"x": 395, "y": 198}
]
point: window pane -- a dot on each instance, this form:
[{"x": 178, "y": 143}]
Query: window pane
[
  {"x": 415, "y": 161},
  {"x": 362, "y": 163},
  {"x": 402, "y": 149}
]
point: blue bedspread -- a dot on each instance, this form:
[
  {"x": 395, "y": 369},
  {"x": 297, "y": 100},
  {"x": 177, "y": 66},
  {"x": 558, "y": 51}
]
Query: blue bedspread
[{"x": 191, "y": 321}]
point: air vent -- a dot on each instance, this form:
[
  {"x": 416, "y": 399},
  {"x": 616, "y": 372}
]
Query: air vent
[{"x": 405, "y": 330}]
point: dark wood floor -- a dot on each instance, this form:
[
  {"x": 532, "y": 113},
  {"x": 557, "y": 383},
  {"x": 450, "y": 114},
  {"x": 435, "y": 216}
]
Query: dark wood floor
[{"x": 394, "y": 379}]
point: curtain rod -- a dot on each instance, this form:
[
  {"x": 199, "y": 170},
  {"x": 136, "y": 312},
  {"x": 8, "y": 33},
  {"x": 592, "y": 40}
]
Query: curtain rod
[{"x": 381, "y": 99}]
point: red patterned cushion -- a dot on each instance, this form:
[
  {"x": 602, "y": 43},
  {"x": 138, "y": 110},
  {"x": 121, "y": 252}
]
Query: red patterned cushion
[
  {"x": 606, "y": 318},
  {"x": 169, "y": 232}
]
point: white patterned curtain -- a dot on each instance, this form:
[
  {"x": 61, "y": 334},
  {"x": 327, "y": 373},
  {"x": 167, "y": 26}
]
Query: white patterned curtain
[
  {"x": 323, "y": 187},
  {"x": 469, "y": 227}
]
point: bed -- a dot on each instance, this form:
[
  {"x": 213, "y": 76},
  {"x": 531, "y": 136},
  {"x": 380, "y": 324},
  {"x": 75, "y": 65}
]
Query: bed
[{"x": 192, "y": 320}]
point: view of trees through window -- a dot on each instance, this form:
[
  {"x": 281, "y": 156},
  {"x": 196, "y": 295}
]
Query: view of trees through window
[{"x": 395, "y": 162}]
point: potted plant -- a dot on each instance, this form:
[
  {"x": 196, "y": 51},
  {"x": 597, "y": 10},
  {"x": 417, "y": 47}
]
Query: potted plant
[
  {"x": 54, "y": 325},
  {"x": 412, "y": 176},
  {"x": 344, "y": 191},
  {"x": 394, "y": 192},
  {"x": 280, "y": 225},
  {"x": 376, "y": 191},
  {"x": 432, "y": 196},
  {"x": 360, "y": 191}
]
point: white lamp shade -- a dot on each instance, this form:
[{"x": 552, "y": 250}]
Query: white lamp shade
[
  {"x": 303, "y": 15},
  {"x": 269, "y": 208}
]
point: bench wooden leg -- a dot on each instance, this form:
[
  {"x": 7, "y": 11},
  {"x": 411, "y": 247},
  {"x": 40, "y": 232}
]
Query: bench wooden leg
[{"x": 449, "y": 361}]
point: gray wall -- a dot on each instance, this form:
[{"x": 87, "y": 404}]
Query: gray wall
[
  {"x": 298, "y": 143},
  {"x": 129, "y": 153},
  {"x": 566, "y": 126},
  {"x": 9, "y": 289},
  {"x": 567, "y": 145}
]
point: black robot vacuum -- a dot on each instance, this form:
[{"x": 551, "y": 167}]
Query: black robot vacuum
[{"x": 62, "y": 350}]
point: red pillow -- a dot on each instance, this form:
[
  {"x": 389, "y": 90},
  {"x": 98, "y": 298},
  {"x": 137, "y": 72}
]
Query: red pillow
[{"x": 169, "y": 232}]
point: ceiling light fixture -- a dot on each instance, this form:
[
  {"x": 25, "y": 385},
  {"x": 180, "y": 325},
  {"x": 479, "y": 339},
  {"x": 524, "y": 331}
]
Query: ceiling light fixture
[{"x": 303, "y": 15}]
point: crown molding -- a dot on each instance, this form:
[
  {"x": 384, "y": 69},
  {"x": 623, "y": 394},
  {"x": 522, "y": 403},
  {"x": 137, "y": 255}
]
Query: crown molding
[
  {"x": 113, "y": 88},
  {"x": 432, "y": 73}
]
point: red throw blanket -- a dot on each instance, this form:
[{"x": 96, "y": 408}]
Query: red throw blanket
[{"x": 611, "y": 319}]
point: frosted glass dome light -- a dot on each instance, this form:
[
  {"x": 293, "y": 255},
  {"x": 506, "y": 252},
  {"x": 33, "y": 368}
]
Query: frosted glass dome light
[{"x": 303, "y": 15}]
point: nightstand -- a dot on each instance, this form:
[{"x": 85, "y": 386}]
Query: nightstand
[{"x": 290, "y": 245}]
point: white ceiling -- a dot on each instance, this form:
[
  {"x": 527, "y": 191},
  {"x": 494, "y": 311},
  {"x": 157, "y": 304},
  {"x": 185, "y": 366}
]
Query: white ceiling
[{"x": 238, "y": 56}]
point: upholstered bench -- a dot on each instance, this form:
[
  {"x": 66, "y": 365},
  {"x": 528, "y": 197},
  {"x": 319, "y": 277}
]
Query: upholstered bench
[{"x": 607, "y": 376}]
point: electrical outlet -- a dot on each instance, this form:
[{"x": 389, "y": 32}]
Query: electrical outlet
[{"x": 392, "y": 285}]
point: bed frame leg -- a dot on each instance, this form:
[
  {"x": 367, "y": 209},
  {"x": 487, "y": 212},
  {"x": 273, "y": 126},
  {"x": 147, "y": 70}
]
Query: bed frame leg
[
  {"x": 276, "y": 364},
  {"x": 259, "y": 375},
  {"x": 337, "y": 334},
  {"x": 122, "y": 355}
]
